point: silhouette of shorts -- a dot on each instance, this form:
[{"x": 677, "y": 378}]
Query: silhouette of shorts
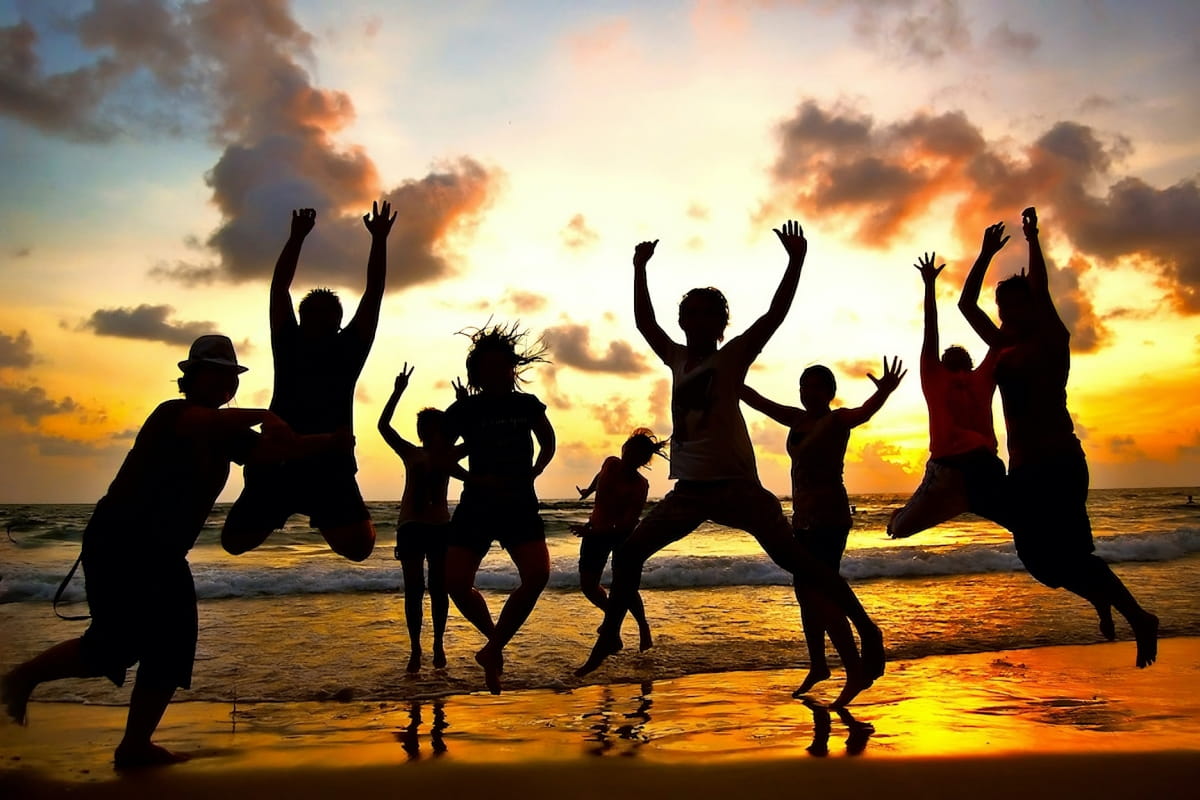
[
  {"x": 596, "y": 547},
  {"x": 736, "y": 503},
  {"x": 510, "y": 520},
  {"x": 826, "y": 543},
  {"x": 324, "y": 491},
  {"x": 953, "y": 485},
  {"x": 421, "y": 540},
  {"x": 143, "y": 611}
]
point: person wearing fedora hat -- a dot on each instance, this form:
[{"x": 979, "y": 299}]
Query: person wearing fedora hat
[
  {"x": 211, "y": 350},
  {"x": 138, "y": 582},
  {"x": 317, "y": 365}
]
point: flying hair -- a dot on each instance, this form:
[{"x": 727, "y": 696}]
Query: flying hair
[{"x": 510, "y": 340}]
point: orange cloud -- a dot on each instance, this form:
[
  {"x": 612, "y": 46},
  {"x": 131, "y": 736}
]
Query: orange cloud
[
  {"x": 881, "y": 179},
  {"x": 241, "y": 65}
]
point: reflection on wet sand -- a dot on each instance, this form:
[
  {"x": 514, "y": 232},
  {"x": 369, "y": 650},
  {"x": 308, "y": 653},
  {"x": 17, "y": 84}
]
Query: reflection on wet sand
[
  {"x": 410, "y": 739},
  {"x": 859, "y": 733},
  {"x": 614, "y": 733}
]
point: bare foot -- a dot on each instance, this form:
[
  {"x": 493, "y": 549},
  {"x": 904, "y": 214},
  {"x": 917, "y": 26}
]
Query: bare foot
[
  {"x": 439, "y": 657},
  {"x": 1107, "y": 629},
  {"x": 645, "y": 640},
  {"x": 492, "y": 665},
  {"x": 14, "y": 694},
  {"x": 1145, "y": 631},
  {"x": 873, "y": 656},
  {"x": 603, "y": 648},
  {"x": 145, "y": 755},
  {"x": 815, "y": 675},
  {"x": 854, "y": 685},
  {"x": 414, "y": 662}
]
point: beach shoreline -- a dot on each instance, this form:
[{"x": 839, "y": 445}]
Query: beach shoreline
[{"x": 1078, "y": 717}]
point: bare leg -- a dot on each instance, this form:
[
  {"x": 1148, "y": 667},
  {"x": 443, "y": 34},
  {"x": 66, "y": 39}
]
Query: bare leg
[
  {"x": 439, "y": 604},
  {"x": 777, "y": 540},
  {"x": 461, "y": 566},
  {"x": 532, "y": 560},
  {"x": 671, "y": 520},
  {"x": 1095, "y": 582},
  {"x": 354, "y": 541},
  {"x": 814, "y": 639},
  {"x": 638, "y": 610},
  {"x": 414, "y": 601},
  {"x": 589, "y": 583},
  {"x": 146, "y": 707},
  {"x": 63, "y": 660}
]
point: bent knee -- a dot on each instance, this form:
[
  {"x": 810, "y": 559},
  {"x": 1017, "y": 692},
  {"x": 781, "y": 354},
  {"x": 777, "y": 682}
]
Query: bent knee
[{"x": 536, "y": 579}]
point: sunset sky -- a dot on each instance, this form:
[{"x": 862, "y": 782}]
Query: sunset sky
[{"x": 151, "y": 153}]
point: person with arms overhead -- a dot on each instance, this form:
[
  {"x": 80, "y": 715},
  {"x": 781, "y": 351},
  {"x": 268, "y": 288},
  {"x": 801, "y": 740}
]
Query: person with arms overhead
[
  {"x": 712, "y": 461},
  {"x": 963, "y": 472},
  {"x": 816, "y": 442},
  {"x": 424, "y": 521},
  {"x": 317, "y": 364},
  {"x": 1047, "y": 485}
]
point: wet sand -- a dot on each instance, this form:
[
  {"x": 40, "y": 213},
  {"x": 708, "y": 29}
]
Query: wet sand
[{"x": 1069, "y": 721}]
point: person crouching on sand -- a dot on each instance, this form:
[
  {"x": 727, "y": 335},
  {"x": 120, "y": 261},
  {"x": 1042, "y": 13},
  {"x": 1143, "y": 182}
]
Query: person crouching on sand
[
  {"x": 138, "y": 582},
  {"x": 498, "y": 423},
  {"x": 620, "y": 497}
]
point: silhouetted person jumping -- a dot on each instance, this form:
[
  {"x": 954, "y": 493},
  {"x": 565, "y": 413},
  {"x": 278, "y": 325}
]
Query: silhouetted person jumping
[
  {"x": 498, "y": 424},
  {"x": 423, "y": 525},
  {"x": 1047, "y": 483},
  {"x": 963, "y": 472},
  {"x": 816, "y": 442},
  {"x": 135, "y": 546},
  {"x": 620, "y": 497},
  {"x": 317, "y": 363},
  {"x": 713, "y": 461}
]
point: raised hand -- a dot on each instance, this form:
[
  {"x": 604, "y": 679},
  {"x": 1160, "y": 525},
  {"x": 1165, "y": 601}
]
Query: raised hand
[
  {"x": 791, "y": 236},
  {"x": 1029, "y": 222},
  {"x": 993, "y": 240},
  {"x": 891, "y": 375},
  {"x": 643, "y": 252},
  {"x": 303, "y": 220},
  {"x": 925, "y": 266},
  {"x": 460, "y": 391},
  {"x": 379, "y": 221},
  {"x": 402, "y": 379}
]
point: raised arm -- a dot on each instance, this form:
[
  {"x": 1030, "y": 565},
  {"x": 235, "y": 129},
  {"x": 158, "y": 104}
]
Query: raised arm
[
  {"x": 929, "y": 345},
  {"x": 398, "y": 443},
  {"x": 791, "y": 236},
  {"x": 884, "y": 386},
  {"x": 543, "y": 432},
  {"x": 643, "y": 309},
  {"x": 366, "y": 316},
  {"x": 993, "y": 241},
  {"x": 591, "y": 487},
  {"x": 784, "y": 415},
  {"x": 1039, "y": 279},
  {"x": 282, "y": 315}
]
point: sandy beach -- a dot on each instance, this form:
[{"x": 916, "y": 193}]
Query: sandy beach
[{"x": 1073, "y": 721}]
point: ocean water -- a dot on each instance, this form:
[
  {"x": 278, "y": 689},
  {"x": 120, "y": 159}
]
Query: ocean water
[{"x": 292, "y": 621}]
